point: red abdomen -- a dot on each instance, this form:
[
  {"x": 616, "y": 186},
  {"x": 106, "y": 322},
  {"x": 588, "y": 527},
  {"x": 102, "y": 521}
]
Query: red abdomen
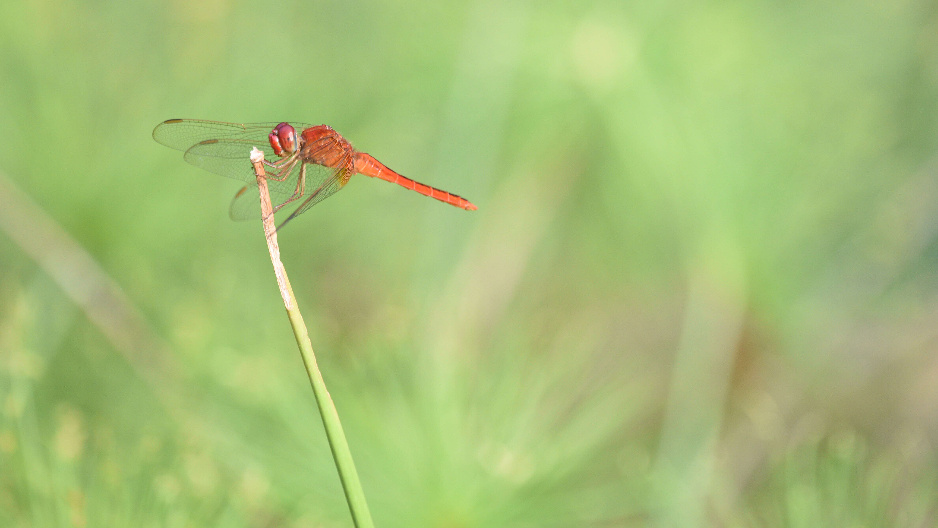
[{"x": 366, "y": 164}]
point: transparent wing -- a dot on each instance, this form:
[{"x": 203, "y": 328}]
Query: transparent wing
[
  {"x": 314, "y": 195},
  {"x": 230, "y": 158},
  {"x": 223, "y": 148},
  {"x": 181, "y": 134},
  {"x": 246, "y": 204}
]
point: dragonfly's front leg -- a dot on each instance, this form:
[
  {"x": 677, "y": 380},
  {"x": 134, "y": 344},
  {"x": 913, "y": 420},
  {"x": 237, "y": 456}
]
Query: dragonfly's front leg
[{"x": 280, "y": 164}]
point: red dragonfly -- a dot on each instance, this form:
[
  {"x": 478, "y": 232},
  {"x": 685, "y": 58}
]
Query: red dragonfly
[{"x": 308, "y": 168}]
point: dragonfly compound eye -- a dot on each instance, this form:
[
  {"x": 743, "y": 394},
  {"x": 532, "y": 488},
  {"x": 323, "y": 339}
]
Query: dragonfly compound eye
[{"x": 283, "y": 139}]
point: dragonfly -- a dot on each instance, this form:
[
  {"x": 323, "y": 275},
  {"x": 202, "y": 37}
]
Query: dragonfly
[{"x": 303, "y": 168}]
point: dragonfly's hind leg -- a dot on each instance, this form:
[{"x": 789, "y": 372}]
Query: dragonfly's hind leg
[{"x": 300, "y": 188}]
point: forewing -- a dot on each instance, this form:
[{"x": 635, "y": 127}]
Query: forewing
[
  {"x": 231, "y": 158},
  {"x": 181, "y": 134}
]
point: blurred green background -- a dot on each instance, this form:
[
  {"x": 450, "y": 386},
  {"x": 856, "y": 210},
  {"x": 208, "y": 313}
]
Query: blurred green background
[{"x": 700, "y": 288}]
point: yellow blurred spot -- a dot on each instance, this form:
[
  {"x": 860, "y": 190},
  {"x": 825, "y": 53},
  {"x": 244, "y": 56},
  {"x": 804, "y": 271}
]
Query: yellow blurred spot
[
  {"x": 510, "y": 464},
  {"x": 200, "y": 35},
  {"x": 111, "y": 473},
  {"x": 254, "y": 486},
  {"x": 149, "y": 446},
  {"x": 17, "y": 359},
  {"x": 7, "y": 442},
  {"x": 602, "y": 53},
  {"x": 765, "y": 416},
  {"x": 202, "y": 473},
  {"x": 13, "y": 405},
  {"x": 167, "y": 487},
  {"x": 76, "y": 509},
  {"x": 252, "y": 374},
  {"x": 70, "y": 433}
]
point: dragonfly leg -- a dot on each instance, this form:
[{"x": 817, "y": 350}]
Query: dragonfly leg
[
  {"x": 284, "y": 171},
  {"x": 300, "y": 188},
  {"x": 282, "y": 166}
]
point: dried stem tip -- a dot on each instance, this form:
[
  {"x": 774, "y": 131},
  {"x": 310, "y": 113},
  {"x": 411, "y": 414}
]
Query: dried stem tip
[{"x": 257, "y": 155}]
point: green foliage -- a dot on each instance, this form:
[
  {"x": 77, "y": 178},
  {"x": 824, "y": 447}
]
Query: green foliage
[{"x": 699, "y": 290}]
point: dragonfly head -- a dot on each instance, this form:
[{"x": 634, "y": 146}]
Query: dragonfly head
[{"x": 283, "y": 139}]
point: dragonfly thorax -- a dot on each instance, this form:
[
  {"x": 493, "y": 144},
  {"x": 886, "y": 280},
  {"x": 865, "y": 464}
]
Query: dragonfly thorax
[{"x": 322, "y": 145}]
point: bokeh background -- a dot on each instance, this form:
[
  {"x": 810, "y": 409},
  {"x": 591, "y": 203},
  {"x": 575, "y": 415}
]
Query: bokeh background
[{"x": 700, "y": 288}]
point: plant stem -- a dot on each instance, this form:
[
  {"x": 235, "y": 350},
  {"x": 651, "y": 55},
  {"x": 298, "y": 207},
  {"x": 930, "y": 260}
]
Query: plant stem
[{"x": 330, "y": 417}]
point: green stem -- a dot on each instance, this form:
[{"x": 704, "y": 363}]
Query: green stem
[
  {"x": 330, "y": 420},
  {"x": 354, "y": 494}
]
